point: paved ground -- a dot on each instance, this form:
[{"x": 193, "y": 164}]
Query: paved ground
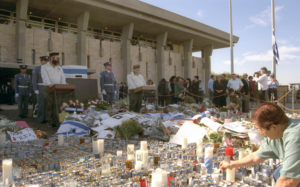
[{"x": 11, "y": 112}]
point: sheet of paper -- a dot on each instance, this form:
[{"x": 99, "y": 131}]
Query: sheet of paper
[
  {"x": 256, "y": 138},
  {"x": 22, "y": 124},
  {"x": 191, "y": 131},
  {"x": 23, "y": 135},
  {"x": 168, "y": 124},
  {"x": 209, "y": 123},
  {"x": 197, "y": 116},
  {"x": 106, "y": 134},
  {"x": 236, "y": 127}
]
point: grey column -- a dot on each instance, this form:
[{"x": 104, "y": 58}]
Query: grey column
[
  {"x": 160, "y": 55},
  {"x": 187, "y": 55},
  {"x": 22, "y": 7},
  {"x": 127, "y": 32},
  {"x": 82, "y": 26},
  {"x": 206, "y": 54}
]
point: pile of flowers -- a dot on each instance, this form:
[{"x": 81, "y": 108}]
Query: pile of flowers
[
  {"x": 73, "y": 103},
  {"x": 100, "y": 105},
  {"x": 223, "y": 109}
]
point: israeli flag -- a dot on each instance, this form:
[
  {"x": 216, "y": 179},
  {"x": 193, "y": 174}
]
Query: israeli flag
[
  {"x": 275, "y": 48},
  {"x": 73, "y": 128}
]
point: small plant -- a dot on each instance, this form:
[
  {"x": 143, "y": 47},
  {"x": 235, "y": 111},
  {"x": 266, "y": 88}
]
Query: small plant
[
  {"x": 223, "y": 109},
  {"x": 128, "y": 129}
]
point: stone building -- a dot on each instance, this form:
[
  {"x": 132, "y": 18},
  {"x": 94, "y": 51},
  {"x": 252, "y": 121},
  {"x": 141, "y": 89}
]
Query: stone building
[{"x": 92, "y": 32}]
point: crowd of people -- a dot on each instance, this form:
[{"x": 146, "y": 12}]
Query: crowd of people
[{"x": 234, "y": 93}]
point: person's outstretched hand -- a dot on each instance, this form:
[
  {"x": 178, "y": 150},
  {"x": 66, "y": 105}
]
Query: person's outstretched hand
[{"x": 224, "y": 165}]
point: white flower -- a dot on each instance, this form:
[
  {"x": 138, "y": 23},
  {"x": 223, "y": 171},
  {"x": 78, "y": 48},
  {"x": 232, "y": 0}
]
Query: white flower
[
  {"x": 81, "y": 104},
  {"x": 71, "y": 101},
  {"x": 65, "y": 104},
  {"x": 77, "y": 101},
  {"x": 74, "y": 104},
  {"x": 89, "y": 103}
]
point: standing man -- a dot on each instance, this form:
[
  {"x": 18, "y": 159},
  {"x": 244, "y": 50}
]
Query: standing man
[
  {"x": 195, "y": 88},
  {"x": 22, "y": 89},
  {"x": 210, "y": 86},
  {"x": 117, "y": 87},
  {"x": 235, "y": 84},
  {"x": 135, "y": 79},
  {"x": 9, "y": 93},
  {"x": 121, "y": 91},
  {"x": 38, "y": 87},
  {"x": 262, "y": 84},
  {"x": 245, "y": 92},
  {"x": 107, "y": 83},
  {"x": 52, "y": 73},
  {"x": 201, "y": 91}
]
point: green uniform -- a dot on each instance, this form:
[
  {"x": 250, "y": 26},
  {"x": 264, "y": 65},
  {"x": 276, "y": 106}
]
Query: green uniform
[
  {"x": 234, "y": 99},
  {"x": 178, "y": 88},
  {"x": 286, "y": 148},
  {"x": 189, "y": 100}
]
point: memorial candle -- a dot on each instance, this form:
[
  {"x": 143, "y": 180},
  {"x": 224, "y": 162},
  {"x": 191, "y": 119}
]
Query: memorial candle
[
  {"x": 164, "y": 178},
  {"x": 130, "y": 152},
  {"x": 119, "y": 153},
  {"x": 60, "y": 140},
  {"x": 229, "y": 152},
  {"x": 184, "y": 142},
  {"x": 7, "y": 170},
  {"x": 242, "y": 153},
  {"x": 230, "y": 175},
  {"x": 100, "y": 145},
  {"x": 144, "y": 145},
  {"x": 199, "y": 150},
  {"x": 95, "y": 146},
  {"x": 145, "y": 157},
  {"x": 156, "y": 180}
]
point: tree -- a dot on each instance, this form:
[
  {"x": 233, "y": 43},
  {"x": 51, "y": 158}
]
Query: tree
[{"x": 227, "y": 74}]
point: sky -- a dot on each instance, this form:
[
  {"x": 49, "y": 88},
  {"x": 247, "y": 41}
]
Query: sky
[{"x": 252, "y": 24}]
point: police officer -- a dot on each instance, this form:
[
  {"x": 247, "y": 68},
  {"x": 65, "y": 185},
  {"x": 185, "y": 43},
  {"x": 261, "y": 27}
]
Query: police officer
[
  {"x": 22, "y": 90},
  {"x": 37, "y": 83},
  {"x": 52, "y": 73},
  {"x": 107, "y": 83}
]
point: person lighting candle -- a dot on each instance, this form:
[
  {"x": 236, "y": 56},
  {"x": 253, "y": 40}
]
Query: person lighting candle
[{"x": 283, "y": 142}]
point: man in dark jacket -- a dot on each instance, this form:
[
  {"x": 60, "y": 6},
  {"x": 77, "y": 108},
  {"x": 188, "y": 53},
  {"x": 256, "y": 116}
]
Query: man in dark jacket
[
  {"x": 195, "y": 88},
  {"x": 245, "y": 93},
  {"x": 9, "y": 94},
  {"x": 161, "y": 88}
]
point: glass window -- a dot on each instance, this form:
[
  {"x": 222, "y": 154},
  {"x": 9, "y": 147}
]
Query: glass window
[
  {"x": 5, "y": 13},
  {"x": 97, "y": 30},
  {"x": 107, "y": 32},
  {"x": 63, "y": 24},
  {"x": 35, "y": 19},
  {"x": 73, "y": 26},
  {"x": 117, "y": 34},
  {"x": 48, "y": 21}
]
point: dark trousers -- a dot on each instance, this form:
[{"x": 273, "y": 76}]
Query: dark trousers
[
  {"x": 201, "y": 96},
  {"x": 23, "y": 105},
  {"x": 161, "y": 100},
  {"x": 195, "y": 94},
  {"x": 41, "y": 108},
  {"x": 50, "y": 107},
  {"x": 270, "y": 91},
  {"x": 109, "y": 97},
  {"x": 135, "y": 100},
  {"x": 262, "y": 95},
  {"x": 220, "y": 101}
]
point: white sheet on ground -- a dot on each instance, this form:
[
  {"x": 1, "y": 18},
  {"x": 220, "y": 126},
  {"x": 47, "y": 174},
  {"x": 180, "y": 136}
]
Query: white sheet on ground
[{"x": 209, "y": 123}]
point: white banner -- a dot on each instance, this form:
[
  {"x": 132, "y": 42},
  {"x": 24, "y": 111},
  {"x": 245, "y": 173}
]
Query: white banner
[{"x": 22, "y": 135}]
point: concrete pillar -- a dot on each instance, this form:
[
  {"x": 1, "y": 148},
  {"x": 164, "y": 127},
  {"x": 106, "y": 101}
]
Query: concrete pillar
[
  {"x": 206, "y": 54},
  {"x": 22, "y": 7},
  {"x": 160, "y": 55},
  {"x": 82, "y": 26},
  {"x": 187, "y": 61},
  {"x": 127, "y": 32}
]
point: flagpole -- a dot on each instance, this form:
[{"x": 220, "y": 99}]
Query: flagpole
[
  {"x": 273, "y": 29},
  {"x": 231, "y": 39}
]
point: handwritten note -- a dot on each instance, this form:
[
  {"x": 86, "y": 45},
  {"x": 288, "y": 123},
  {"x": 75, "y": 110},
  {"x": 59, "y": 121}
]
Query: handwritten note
[{"x": 22, "y": 135}]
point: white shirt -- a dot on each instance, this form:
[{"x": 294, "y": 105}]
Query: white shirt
[
  {"x": 262, "y": 82},
  {"x": 52, "y": 75},
  {"x": 235, "y": 84},
  {"x": 210, "y": 85},
  {"x": 134, "y": 81}
]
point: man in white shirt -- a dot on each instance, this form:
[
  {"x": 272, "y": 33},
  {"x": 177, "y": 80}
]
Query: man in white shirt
[
  {"x": 262, "y": 84},
  {"x": 210, "y": 86},
  {"x": 135, "y": 79},
  {"x": 235, "y": 83},
  {"x": 52, "y": 73}
]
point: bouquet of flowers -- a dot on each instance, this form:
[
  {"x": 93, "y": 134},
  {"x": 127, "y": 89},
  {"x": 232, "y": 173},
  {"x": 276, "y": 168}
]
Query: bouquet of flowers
[
  {"x": 73, "y": 103},
  {"x": 223, "y": 109},
  {"x": 100, "y": 105}
]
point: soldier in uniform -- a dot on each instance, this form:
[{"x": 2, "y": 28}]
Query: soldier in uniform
[
  {"x": 52, "y": 73},
  {"x": 135, "y": 79},
  {"x": 22, "y": 90},
  {"x": 38, "y": 87},
  {"x": 107, "y": 83}
]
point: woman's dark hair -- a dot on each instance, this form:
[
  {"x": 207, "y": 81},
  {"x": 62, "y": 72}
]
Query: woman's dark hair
[
  {"x": 269, "y": 114},
  {"x": 250, "y": 77},
  {"x": 163, "y": 80},
  {"x": 172, "y": 78},
  {"x": 231, "y": 90},
  {"x": 188, "y": 79}
]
